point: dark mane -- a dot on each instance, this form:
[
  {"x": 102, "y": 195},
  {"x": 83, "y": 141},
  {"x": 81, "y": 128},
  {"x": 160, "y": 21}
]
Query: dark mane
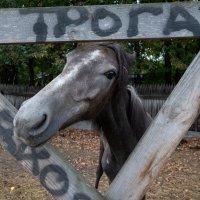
[{"x": 125, "y": 62}]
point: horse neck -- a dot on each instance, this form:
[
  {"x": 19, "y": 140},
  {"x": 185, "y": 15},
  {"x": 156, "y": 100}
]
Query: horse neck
[{"x": 116, "y": 126}]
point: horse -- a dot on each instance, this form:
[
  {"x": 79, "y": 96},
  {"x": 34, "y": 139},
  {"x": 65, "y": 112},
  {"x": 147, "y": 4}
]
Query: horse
[{"x": 92, "y": 86}]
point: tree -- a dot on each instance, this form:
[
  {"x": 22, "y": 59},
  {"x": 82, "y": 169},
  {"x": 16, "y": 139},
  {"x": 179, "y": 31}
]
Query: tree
[{"x": 36, "y": 64}]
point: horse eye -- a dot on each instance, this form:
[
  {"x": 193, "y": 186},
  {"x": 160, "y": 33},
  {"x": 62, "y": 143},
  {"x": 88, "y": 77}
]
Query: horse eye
[{"x": 110, "y": 74}]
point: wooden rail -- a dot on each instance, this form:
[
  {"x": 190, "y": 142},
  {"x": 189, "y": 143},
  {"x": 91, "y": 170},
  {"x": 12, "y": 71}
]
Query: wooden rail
[{"x": 100, "y": 23}]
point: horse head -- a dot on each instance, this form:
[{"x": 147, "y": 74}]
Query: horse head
[{"x": 90, "y": 77}]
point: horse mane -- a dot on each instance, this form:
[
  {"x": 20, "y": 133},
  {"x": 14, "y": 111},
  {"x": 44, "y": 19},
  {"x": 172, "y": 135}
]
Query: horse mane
[
  {"x": 123, "y": 121},
  {"x": 139, "y": 119},
  {"x": 125, "y": 62},
  {"x": 137, "y": 116}
]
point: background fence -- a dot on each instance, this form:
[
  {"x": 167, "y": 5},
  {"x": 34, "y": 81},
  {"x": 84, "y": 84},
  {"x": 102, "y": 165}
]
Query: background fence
[{"x": 153, "y": 97}]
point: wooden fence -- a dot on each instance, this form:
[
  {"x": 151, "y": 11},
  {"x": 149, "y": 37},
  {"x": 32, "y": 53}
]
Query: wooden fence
[
  {"x": 103, "y": 23},
  {"x": 153, "y": 96}
]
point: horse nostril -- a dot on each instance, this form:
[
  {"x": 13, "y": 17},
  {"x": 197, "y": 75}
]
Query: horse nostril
[
  {"x": 28, "y": 127},
  {"x": 40, "y": 123}
]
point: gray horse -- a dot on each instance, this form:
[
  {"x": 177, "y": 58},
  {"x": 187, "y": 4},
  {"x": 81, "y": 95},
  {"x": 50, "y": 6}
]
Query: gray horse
[{"x": 92, "y": 85}]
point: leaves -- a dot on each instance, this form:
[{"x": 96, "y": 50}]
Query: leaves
[{"x": 48, "y": 59}]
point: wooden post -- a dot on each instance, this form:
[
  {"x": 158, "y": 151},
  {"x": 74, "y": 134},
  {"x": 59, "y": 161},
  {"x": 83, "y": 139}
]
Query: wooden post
[
  {"x": 160, "y": 140},
  {"x": 55, "y": 174}
]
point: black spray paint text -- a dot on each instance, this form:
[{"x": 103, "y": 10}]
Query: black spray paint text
[{"x": 64, "y": 20}]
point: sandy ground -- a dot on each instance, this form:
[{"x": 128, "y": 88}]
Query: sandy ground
[{"x": 180, "y": 178}]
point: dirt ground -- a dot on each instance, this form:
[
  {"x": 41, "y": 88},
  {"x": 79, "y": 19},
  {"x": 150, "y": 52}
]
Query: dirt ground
[{"x": 180, "y": 178}]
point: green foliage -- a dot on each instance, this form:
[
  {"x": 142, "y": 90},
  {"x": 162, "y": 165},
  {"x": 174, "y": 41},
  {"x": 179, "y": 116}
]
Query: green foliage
[
  {"x": 38, "y": 63},
  {"x": 151, "y": 62},
  {"x": 47, "y": 61}
]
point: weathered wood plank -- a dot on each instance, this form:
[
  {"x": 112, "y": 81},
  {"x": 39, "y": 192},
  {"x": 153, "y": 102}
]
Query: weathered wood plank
[
  {"x": 160, "y": 140},
  {"x": 190, "y": 134},
  {"x": 97, "y": 23},
  {"x": 55, "y": 174}
]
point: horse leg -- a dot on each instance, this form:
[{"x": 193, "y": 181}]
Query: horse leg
[
  {"x": 99, "y": 171},
  {"x": 144, "y": 198}
]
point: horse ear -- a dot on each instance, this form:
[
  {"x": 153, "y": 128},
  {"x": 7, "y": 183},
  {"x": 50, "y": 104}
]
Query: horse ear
[{"x": 130, "y": 59}]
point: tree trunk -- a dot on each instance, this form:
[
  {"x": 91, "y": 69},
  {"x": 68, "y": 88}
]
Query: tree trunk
[
  {"x": 138, "y": 53},
  {"x": 168, "y": 66},
  {"x": 15, "y": 75},
  {"x": 31, "y": 72},
  {"x": 9, "y": 74}
]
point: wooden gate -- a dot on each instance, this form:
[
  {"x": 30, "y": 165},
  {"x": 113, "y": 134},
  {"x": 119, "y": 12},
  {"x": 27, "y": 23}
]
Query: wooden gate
[{"x": 106, "y": 23}]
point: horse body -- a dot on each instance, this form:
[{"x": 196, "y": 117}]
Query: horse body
[
  {"x": 92, "y": 85},
  {"x": 123, "y": 122}
]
